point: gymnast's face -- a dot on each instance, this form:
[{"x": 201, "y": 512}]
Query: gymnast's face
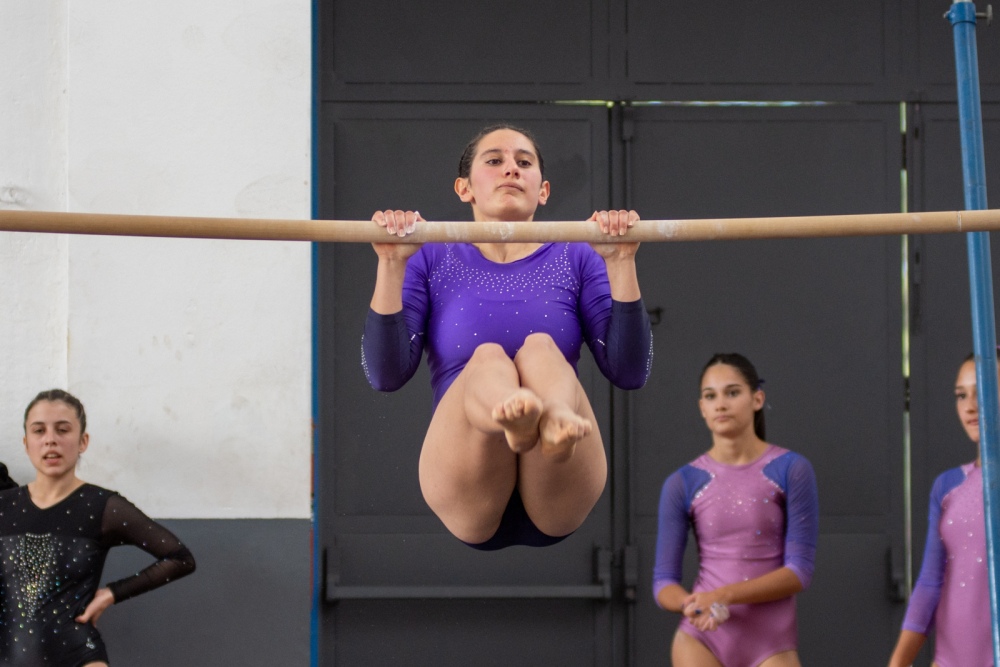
[
  {"x": 505, "y": 181},
  {"x": 727, "y": 403},
  {"x": 966, "y": 400},
  {"x": 53, "y": 439}
]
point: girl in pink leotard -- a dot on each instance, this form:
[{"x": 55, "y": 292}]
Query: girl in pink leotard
[
  {"x": 754, "y": 510},
  {"x": 952, "y": 592}
]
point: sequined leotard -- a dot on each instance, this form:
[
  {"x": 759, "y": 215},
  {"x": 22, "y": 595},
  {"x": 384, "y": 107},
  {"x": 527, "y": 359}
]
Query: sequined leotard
[
  {"x": 952, "y": 592},
  {"x": 748, "y": 520},
  {"x": 52, "y": 563},
  {"x": 454, "y": 300}
]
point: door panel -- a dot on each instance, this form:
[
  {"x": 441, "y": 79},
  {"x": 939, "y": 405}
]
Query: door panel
[
  {"x": 468, "y": 632},
  {"x": 380, "y": 538},
  {"x": 461, "y": 51},
  {"x": 820, "y": 318},
  {"x": 759, "y": 47}
]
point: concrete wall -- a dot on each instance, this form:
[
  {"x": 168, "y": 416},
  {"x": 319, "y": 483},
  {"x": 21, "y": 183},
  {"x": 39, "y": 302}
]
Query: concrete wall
[
  {"x": 192, "y": 357},
  {"x": 33, "y": 169}
]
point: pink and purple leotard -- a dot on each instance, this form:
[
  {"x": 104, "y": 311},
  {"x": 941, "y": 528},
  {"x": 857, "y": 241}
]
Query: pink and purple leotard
[
  {"x": 748, "y": 520},
  {"x": 952, "y": 592}
]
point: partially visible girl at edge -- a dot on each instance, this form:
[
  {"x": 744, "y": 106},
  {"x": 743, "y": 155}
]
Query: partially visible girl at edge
[
  {"x": 55, "y": 533},
  {"x": 755, "y": 513},
  {"x": 512, "y": 455},
  {"x": 952, "y": 593}
]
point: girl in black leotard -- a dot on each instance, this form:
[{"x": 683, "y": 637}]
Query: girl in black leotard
[{"x": 55, "y": 533}]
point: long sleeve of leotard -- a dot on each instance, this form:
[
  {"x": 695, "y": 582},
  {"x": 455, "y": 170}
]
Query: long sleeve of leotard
[
  {"x": 390, "y": 354},
  {"x": 124, "y": 523},
  {"x": 802, "y": 512},
  {"x": 673, "y": 525},
  {"x": 927, "y": 591},
  {"x": 618, "y": 333},
  {"x": 392, "y": 345}
]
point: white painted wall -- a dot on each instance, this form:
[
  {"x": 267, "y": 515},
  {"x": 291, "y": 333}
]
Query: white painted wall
[
  {"x": 33, "y": 170},
  {"x": 192, "y": 357}
]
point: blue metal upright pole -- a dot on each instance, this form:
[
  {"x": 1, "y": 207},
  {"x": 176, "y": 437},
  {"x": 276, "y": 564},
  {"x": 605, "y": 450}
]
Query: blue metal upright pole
[{"x": 963, "y": 20}]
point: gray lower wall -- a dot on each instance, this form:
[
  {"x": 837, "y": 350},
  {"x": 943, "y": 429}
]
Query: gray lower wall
[{"x": 248, "y": 603}]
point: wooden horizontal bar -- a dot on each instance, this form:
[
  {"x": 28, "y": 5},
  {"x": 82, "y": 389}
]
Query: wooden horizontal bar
[{"x": 366, "y": 231}]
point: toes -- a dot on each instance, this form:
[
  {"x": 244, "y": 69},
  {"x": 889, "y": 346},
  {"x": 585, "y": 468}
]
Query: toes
[{"x": 519, "y": 415}]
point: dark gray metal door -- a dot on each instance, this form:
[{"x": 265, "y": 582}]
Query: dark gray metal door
[
  {"x": 401, "y": 84},
  {"x": 821, "y": 320},
  {"x": 399, "y": 588}
]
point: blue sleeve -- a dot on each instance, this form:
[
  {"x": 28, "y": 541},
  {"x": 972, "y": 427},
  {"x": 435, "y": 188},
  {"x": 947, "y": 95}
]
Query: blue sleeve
[
  {"x": 795, "y": 475},
  {"x": 392, "y": 345},
  {"x": 927, "y": 591},
  {"x": 674, "y": 524},
  {"x": 618, "y": 333}
]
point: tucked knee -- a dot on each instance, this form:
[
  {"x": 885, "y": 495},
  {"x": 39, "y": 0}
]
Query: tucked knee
[
  {"x": 488, "y": 353},
  {"x": 539, "y": 344}
]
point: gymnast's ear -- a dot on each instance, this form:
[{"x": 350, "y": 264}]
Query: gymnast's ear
[
  {"x": 464, "y": 190},
  {"x": 543, "y": 194}
]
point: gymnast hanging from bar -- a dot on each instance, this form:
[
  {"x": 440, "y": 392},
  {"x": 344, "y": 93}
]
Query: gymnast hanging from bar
[{"x": 513, "y": 454}]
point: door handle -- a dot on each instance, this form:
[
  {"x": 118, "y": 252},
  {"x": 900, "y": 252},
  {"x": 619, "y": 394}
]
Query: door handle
[
  {"x": 599, "y": 590},
  {"x": 630, "y": 571},
  {"x": 896, "y": 586}
]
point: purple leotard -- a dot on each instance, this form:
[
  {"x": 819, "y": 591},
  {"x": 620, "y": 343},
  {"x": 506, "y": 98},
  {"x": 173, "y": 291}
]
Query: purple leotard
[
  {"x": 454, "y": 300},
  {"x": 952, "y": 592},
  {"x": 748, "y": 520}
]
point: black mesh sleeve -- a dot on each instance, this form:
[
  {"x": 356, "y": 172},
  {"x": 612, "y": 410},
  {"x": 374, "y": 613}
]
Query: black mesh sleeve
[{"x": 124, "y": 523}]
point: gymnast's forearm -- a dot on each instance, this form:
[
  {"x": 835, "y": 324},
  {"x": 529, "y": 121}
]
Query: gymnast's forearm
[
  {"x": 775, "y": 585},
  {"x": 623, "y": 276},
  {"x": 671, "y": 597},
  {"x": 388, "y": 295},
  {"x": 171, "y": 567},
  {"x": 907, "y": 648}
]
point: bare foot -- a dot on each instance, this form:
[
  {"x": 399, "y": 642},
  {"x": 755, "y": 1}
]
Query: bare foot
[
  {"x": 518, "y": 414},
  {"x": 560, "y": 430}
]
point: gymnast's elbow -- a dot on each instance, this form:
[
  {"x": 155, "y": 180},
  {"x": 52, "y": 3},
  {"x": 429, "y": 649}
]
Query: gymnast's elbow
[
  {"x": 631, "y": 385},
  {"x": 383, "y": 374},
  {"x": 632, "y": 371},
  {"x": 183, "y": 561},
  {"x": 803, "y": 576},
  {"x": 386, "y": 379},
  {"x": 633, "y": 379},
  {"x": 386, "y": 384}
]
